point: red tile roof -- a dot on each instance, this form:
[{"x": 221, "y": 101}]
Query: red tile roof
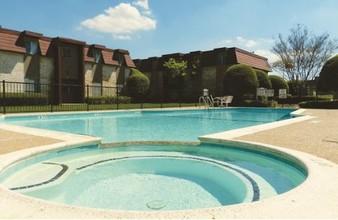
[
  {"x": 8, "y": 41},
  {"x": 88, "y": 58},
  {"x": 107, "y": 56},
  {"x": 11, "y": 40},
  {"x": 129, "y": 61},
  {"x": 44, "y": 45},
  {"x": 251, "y": 59}
]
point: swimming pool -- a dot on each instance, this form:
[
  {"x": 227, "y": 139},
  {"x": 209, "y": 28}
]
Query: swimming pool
[
  {"x": 214, "y": 175},
  {"x": 151, "y": 125}
]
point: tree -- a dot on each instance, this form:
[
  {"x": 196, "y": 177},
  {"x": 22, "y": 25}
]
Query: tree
[
  {"x": 328, "y": 77},
  {"x": 240, "y": 80},
  {"x": 263, "y": 79},
  {"x": 175, "y": 72},
  {"x": 302, "y": 54},
  {"x": 137, "y": 84}
]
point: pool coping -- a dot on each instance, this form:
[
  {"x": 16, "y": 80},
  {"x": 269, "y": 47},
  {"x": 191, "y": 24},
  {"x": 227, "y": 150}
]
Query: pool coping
[{"x": 315, "y": 198}]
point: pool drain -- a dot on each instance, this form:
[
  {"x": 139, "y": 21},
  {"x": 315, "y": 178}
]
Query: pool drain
[{"x": 157, "y": 204}]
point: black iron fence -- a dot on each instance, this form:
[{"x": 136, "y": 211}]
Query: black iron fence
[{"x": 38, "y": 97}]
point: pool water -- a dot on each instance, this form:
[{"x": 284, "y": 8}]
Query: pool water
[
  {"x": 153, "y": 177},
  {"x": 149, "y": 125}
]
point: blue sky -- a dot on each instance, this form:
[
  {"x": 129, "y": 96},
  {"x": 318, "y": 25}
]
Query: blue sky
[{"x": 155, "y": 27}]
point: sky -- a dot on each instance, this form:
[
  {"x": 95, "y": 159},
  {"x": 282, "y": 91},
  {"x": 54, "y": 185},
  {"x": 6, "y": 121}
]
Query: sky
[{"x": 148, "y": 28}]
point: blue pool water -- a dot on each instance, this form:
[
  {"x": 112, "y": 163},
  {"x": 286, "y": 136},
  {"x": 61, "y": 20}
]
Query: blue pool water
[
  {"x": 178, "y": 125},
  {"x": 154, "y": 177}
]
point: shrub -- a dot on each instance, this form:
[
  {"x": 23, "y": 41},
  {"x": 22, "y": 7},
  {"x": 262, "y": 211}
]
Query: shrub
[
  {"x": 240, "y": 80},
  {"x": 97, "y": 100},
  {"x": 278, "y": 83},
  {"x": 263, "y": 79},
  {"x": 22, "y": 101},
  {"x": 328, "y": 77},
  {"x": 319, "y": 104},
  {"x": 137, "y": 84},
  {"x": 297, "y": 87}
]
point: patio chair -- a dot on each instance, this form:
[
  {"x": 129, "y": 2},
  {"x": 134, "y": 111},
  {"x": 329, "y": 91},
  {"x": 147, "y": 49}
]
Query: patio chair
[{"x": 223, "y": 101}]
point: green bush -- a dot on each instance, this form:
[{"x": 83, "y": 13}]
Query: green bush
[
  {"x": 297, "y": 87},
  {"x": 240, "y": 80},
  {"x": 278, "y": 83},
  {"x": 328, "y": 77},
  {"x": 295, "y": 99},
  {"x": 22, "y": 101},
  {"x": 255, "y": 103},
  {"x": 137, "y": 85},
  {"x": 320, "y": 104},
  {"x": 97, "y": 100},
  {"x": 263, "y": 79}
]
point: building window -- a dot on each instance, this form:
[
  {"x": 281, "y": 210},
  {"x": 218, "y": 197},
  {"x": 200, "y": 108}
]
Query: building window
[
  {"x": 66, "y": 52},
  {"x": 97, "y": 56},
  {"x": 31, "y": 47},
  {"x": 120, "y": 59}
]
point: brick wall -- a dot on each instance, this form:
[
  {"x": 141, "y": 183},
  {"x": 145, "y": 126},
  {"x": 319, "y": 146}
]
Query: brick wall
[
  {"x": 47, "y": 70},
  {"x": 11, "y": 66}
]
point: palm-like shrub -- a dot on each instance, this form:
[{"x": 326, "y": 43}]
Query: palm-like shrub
[{"x": 240, "y": 80}]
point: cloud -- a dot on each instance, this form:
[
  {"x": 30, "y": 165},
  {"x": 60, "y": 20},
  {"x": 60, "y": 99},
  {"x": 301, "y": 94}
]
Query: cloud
[
  {"x": 239, "y": 42},
  {"x": 244, "y": 43},
  {"x": 144, "y": 5},
  {"x": 260, "y": 46},
  {"x": 123, "y": 20},
  {"x": 268, "y": 54}
]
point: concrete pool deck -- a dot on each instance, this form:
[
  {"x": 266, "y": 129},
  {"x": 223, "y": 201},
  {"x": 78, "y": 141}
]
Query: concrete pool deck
[{"x": 314, "y": 140}]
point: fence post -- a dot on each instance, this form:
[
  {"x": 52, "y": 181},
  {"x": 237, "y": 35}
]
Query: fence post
[
  {"x": 4, "y": 95},
  {"x": 117, "y": 97},
  {"x": 87, "y": 98},
  {"x": 51, "y": 96}
]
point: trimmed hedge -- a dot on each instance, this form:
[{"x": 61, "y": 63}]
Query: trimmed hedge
[
  {"x": 255, "y": 103},
  {"x": 240, "y": 80},
  {"x": 108, "y": 100},
  {"x": 137, "y": 84},
  {"x": 277, "y": 83},
  {"x": 320, "y": 104},
  {"x": 328, "y": 77},
  {"x": 22, "y": 101},
  {"x": 263, "y": 79}
]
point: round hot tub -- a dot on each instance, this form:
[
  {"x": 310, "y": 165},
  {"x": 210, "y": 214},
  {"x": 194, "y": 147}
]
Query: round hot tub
[{"x": 152, "y": 177}]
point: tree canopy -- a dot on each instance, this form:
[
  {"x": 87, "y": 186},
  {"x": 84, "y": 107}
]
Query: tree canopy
[
  {"x": 278, "y": 83},
  {"x": 263, "y": 79},
  {"x": 176, "y": 68},
  {"x": 328, "y": 78},
  {"x": 174, "y": 74},
  {"x": 302, "y": 54},
  {"x": 240, "y": 80},
  {"x": 137, "y": 84}
]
